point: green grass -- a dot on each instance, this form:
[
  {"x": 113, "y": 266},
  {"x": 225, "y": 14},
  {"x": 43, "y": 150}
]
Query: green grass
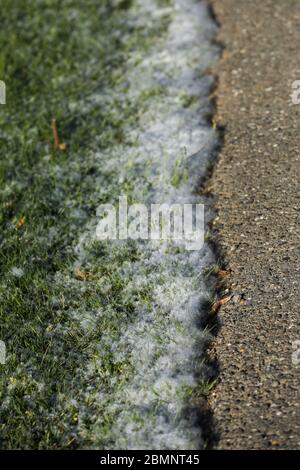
[{"x": 53, "y": 55}]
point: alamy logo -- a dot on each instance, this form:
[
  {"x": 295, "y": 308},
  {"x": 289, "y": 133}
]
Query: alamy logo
[
  {"x": 296, "y": 92},
  {"x": 2, "y": 92},
  {"x": 2, "y": 352},
  {"x": 178, "y": 222},
  {"x": 296, "y": 352}
]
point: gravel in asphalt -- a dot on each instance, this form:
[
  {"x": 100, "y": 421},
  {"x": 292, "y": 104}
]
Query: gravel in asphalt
[{"x": 256, "y": 182}]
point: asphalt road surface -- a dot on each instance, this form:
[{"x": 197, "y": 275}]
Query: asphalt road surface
[{"x": 256, "y": 404}]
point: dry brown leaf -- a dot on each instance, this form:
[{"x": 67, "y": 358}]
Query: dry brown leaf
[
  {"x": 57, "y": 144},
  {"x": 216, "y": 306},
  {"x": 82, "y": 275},
  {"x": 207, "y": 189},
  {"x": 223, "y": 274},
  {"x": 21, "y": 222}
]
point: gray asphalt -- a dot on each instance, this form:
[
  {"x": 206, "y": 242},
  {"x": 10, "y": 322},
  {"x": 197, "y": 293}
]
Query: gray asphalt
[{"x": 256, "y": 182}]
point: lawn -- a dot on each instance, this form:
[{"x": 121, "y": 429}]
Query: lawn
[{"x": 105, "y": 344}]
